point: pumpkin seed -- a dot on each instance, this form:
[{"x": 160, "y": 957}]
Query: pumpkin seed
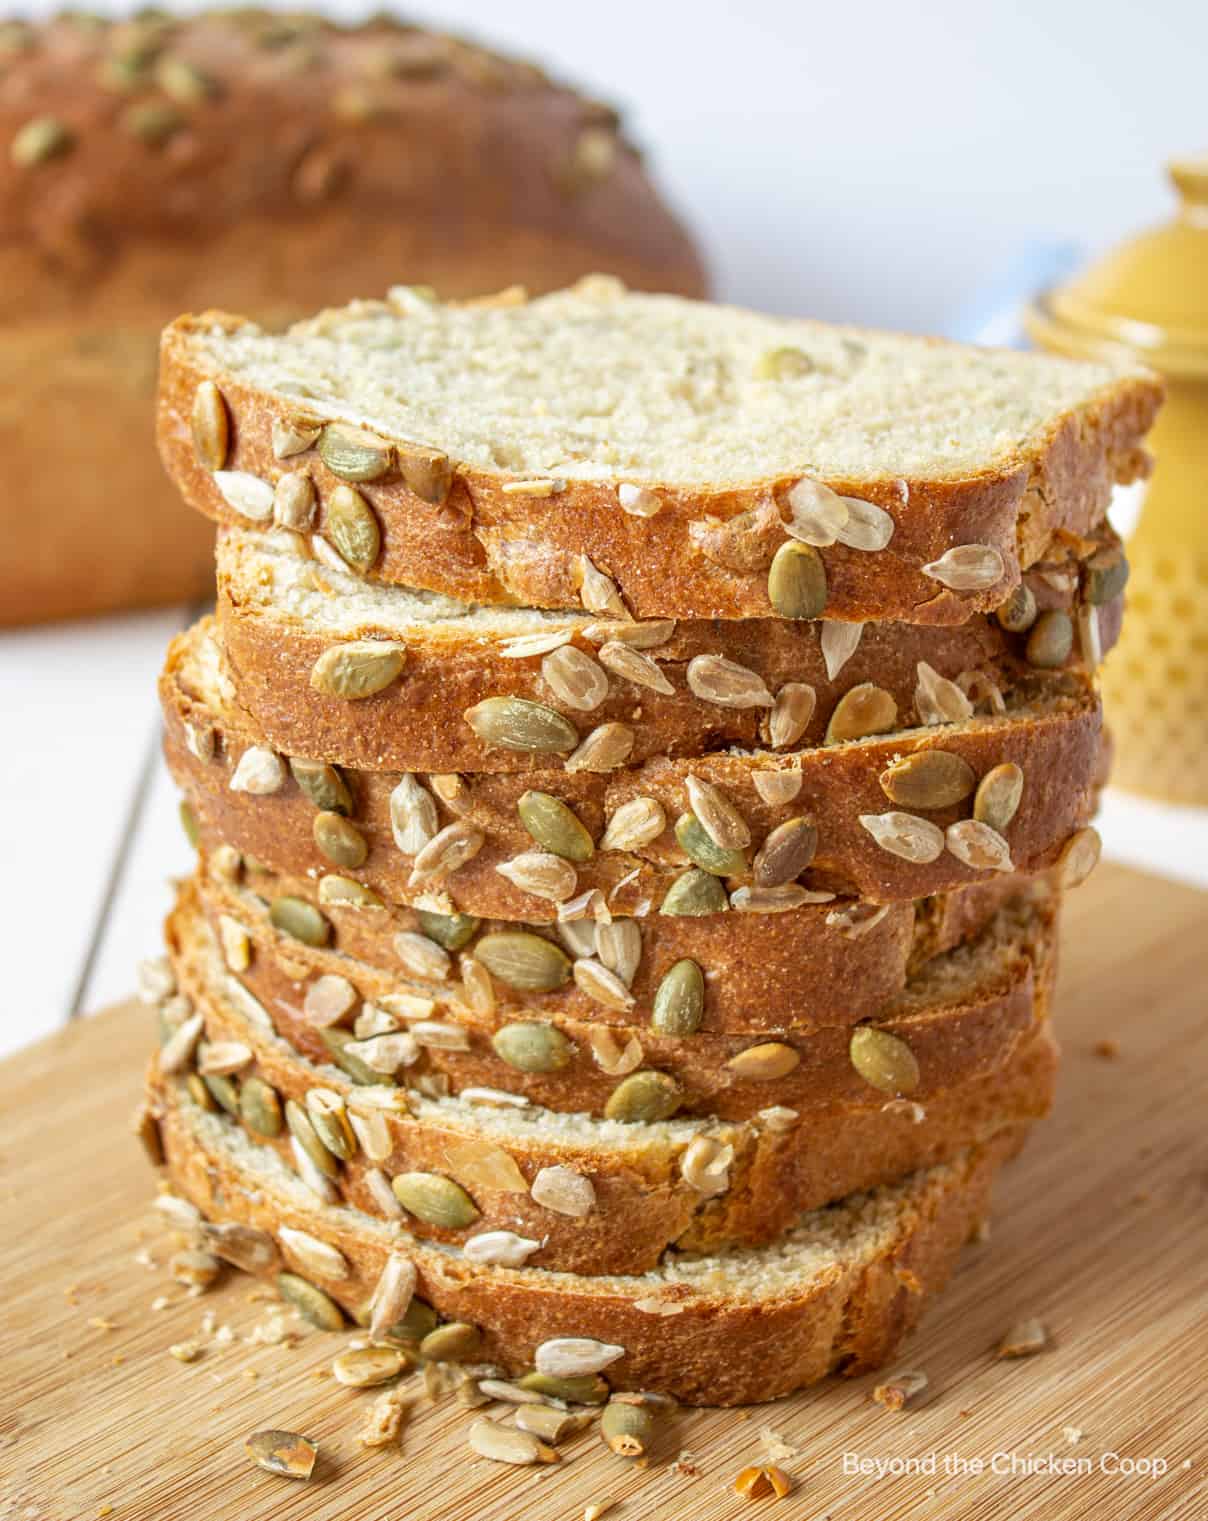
[
  {"x": 39, "y": 140},
  {"x": 224, "y": 1090},
  {"x": 186, "y": 84},
  {"x": 765, "y": 1062},
  {"x": 417, "y": 1321},
  {"x": 532, "y": 1047},
  {"x": 282, "y": 1452},
  {"x": 523, "y": 960},
  {"x": 153, "y": 122},
  {"x": 696, "y": 844},
  {"x": 455, "y": 1342},
  {"x": 555, "y": 826},
  {"x": 303, "y": 1131},
  {"x": 790, "y": 715},
  {"x": 786, "y": 852},
  {"x": 693, "y": 894},
  {"x": 506, "y": 1444},
  {"x": 1051, "y": 640},
  {"x": 998, "y": 794},
  {"x": 340, "y": 842},
  {"x": 797, "y": 581},
  {"x": 434, "y": 1199},
  {"x": 883, "y": 1060},
  {"x": 928, "y": 779},
  {"x": 353, "y": 454},
  {"x": 584, "y": 1389},
  {"x": 211, "y": 426},
  {"x": 783, "y": 364},
  {"x": 865, "y": 709},
  {"x": 644, "y": 1097},
  {"x": 260, "y": 1107},
  {"x": 1105, "y": 576},
  {"x": 679, "y": 1002},
  {"x": 1079, "y": 856},
  {"x": 358, "y": 669},
  {"x": 310, "y": 1302},
  {"x": 299, "y": 919},
  {"x": 515, "y": 723},
  {"x": 337, "y": 1042},
  {"x": 199, "y": 1093},
  {"x": 352, "y": 528},
  {"x": 1018, "y": 612},
  {"x": 453, "y": 931},
  {"x": 627, "y": 1429},
  {"x": 322, "y": 784},
  {"x": 367, "y": 1367},
  {"x": 188, "y": 822}
]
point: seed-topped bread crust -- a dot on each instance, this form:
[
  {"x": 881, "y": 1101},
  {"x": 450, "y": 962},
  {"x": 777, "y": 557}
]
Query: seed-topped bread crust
[{"x": 549, "y": 485}]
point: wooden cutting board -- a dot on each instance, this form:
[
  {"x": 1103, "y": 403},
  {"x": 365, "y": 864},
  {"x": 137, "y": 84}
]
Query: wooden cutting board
[{"x": 1099, "y": 1230}]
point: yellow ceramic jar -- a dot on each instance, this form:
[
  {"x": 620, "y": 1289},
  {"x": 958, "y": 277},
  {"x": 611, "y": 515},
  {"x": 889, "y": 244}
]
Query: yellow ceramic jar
[{"x": 1149, "y": 301}]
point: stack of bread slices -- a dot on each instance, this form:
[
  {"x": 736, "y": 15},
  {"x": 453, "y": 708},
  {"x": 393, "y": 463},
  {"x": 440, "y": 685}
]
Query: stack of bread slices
[{"x": 635, "y": 766}]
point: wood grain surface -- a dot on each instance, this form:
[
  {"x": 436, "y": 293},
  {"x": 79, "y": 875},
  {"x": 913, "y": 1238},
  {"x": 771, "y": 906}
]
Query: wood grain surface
[{"x": 1099, "y": 1231}]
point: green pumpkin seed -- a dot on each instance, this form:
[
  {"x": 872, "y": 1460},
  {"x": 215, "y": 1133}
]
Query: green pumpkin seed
[
  {"x": 40, "y": 140},
  {"x": 786, "y": 852},
  {"x": 322, "y": 784},
  {"x": 436, "y": 1200},
  {"x": 199, "y": 1093},
  {"x": 555, "y": 826},
  {"x": 1051, "y": 640},
  {"x": 352, "y": 528},
  {"x": 419, "y": 1319},
  {"x": 627, "y": 1429},
  {"x": 693, "y": 894},
  {"x": 310, "y": 1302},
  {"x": 1018, "y": 612},
  {"x": 358, "y": 670},
  {"x": 783, "y": 364},
  {"x": 282, "y": 1452},
  {"x": 645, "y": 1097},
  {"x": 340, "y": 842},
  {"x": 581, "y": 1389},
  {"x": 883, "y": 1060},
  {"x": 1105, "y": 576},
  {"x": 349, "y": 1063},
  {"x": 928, "y": 779},
  {"x": 865, "y": 709},
  {"x": 225, "y": 1091},
  {"x": 532, "y": 1047},
  {"x": 696, "y": 844},
  {"x": 453, "y": 931},
  {"x": 260, "y": 1107},
  {"x": 679, "y": 1003},
  {"x": 299, "y": 919},
  {"x": 353, "y": 454},
  {"x": 524, "y": 961},
  {"x": 515, "y": 723},
  {"x": 455, "y": 1342},
  {"x": 306, "y": 1136},
  {"x": 797, "y": 581},
  {"x": 998, "y": 795},
  {"x": 188, "y": 822}
]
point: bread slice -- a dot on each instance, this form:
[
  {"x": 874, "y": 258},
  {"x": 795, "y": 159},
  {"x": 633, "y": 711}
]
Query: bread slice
[
  {"x": 285, "y": 619},
  {"x": 660, "y": 439},
  {"x": 961, "y": 1015},
  {"x": 634, "y": 1187},
  {"x": 1049, "y": 729},
  {"x": 836, "y": 1293},
  {"x": 832, "y": 963}
]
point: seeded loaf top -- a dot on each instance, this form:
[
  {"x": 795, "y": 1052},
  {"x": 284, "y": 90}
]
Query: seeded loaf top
[
  {"x": 836, "y": 1293},
  {"x": 651, "y": 456}
]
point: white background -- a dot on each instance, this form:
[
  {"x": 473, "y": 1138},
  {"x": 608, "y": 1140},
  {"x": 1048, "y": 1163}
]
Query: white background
[{"x": 868, "y": 161}]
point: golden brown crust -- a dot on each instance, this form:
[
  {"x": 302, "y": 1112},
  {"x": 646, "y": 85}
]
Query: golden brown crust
[
  {"x": 454, "y": 178},
  {"x": 962, "y": 1016},
  {"x": 484, "y": 544},
  {"x": 849, "y": 1318}
]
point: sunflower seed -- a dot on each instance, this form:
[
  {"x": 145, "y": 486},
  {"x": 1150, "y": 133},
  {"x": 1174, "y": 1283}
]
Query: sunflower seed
[
  {"x": 211, "y": 426},
  {"x": 1090, "y": 641},
  {"x": 446, "y": 853},
  {"x": 635, "y": 824},
  {"x": 283, "y": 1452},
  {"x": 564, "y": 1190},
  {"x": 546, "y": 486},
  {"x": 435, "y": 1200},
  {"x": 605, "y": 748},
  {"x": 392, "y": 1294},
  {"x": 525, "y": 645},
  {"x": 694, "y": 893},
  {"x": 644, "y": 1097},
  {"x": 315, "y": 1256},
  {"x": 500, "y": 1248},
  {"x": 177, "y": 1053},
  {"x": 1079, "y": 856},
  {"x": 554, "y": 826},
  {"x": 322, "y": 784},
  {"x": 647, "y": 635},
  {"x": 928, "y": 779},
  {"x": 542, "y": 874},
  {"x": 1051, "y": 640},
  {"x": 294, "y": 502},
  {"x": 338, "y": 841},
  {"x": 713, "y": 678},
  {"x": 368, "y": 1061},
  {"x": 785, "y": 363},
  {"x": 352, "y": 528},
  {"x": 574, "y": 1356},
  {"x": 679, "y": 1001},
  {"x": 705, "y": 1166},
  {"x": 797, "y": 581},
  {"x": 1105, "y": 576},
  {"x": 246, "y": 493},
  {"x": 790, "y": 715},
  {"x": 1018, "y": 613},
  {"x": 421, "y": 957},
  {"x": 695, "y": 842},
  {"x": 476, "y": 986},
  {"x": 367, "y": 1367},
  {"x": 938, "y": 700},
  {"x": 236, "y": 943},
  {"x": 786, "y": 852},
  {"x": 868, "y": 526},
  {"x": 413, "y": 816},
  {"x": 598, "y": 592},
  {"x": 354, "y": 454},
  {"x": 574, "y": 678},
  {"x": 1024, "y": 1339},
  {"x": 619, "y": 947},
  {"x": 374, "y": 1138},
  {"x": 717, "y": 815},
  {"x": 259, "y": 772},
  {"x": 358, "y": 669},
  {"x": 883, "y": 1060},
  {"x": 602, "y": 986},
  {"x": 967, "y": 567},
  {"x": 156, "y": 980},
  {"x": 774, "y": 900},
  {"x": 578, "y": 936},
  {"x": 376, "y": 1182},
  {"x": 765, "y": 1062},
  {"x": 299, "y": 919},
  {"x": 634, "y": 666},
  {"x": 998, "y": 794},
  {"x": 838, "y": 643},
  {"x": 344, "y": 892},
  {"x": 307, "y": 1137},
  {"x": 222, "y": 1058},
  {"x": 609, "y": 1056},
  {"x": 515, "y": 723},
  {"x": 504, "y": 1444},
  {"x": 531, "y": 1047},
  {"x": 816, "y": 513},
  {"x": 243, "y": 1246},
  {"x": 39, "y": 140},
  {"x": 294, "y": 435},
  {"x": 310, "y": 1302},
  {"x": 905, "y": 836},
  {"x": 638, "y": 501},
  {"x": 978, "y": 845}
]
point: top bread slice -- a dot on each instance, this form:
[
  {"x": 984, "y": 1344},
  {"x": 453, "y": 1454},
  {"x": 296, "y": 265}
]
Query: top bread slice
[{"x": 652, "y": 454}]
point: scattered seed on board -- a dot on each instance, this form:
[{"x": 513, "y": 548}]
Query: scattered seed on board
[
  {"x": 283, "y": 1452},
  {"x": 506, "y": 1444},
  {"x": 1025, "y": 1339},
  {"x": 310, "y": 1302}
]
